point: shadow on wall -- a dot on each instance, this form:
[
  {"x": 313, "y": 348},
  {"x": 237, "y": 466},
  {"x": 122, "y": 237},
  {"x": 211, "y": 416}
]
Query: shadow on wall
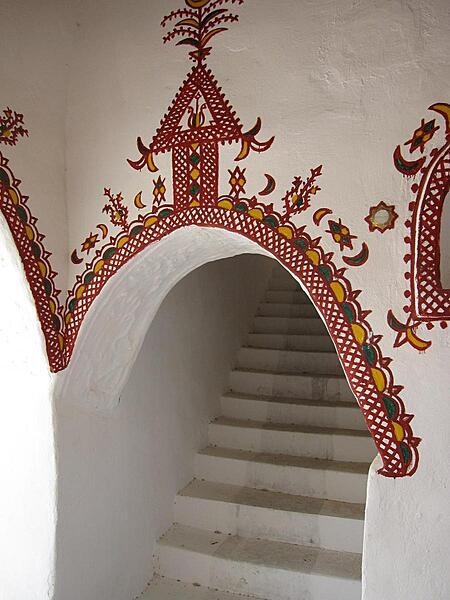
[{"x": 120, "y": 467}]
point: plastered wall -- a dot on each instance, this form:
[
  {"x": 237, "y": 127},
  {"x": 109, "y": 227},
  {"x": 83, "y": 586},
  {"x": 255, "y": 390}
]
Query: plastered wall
[
  {"x": 27, "y": 460},
  {"x": 337, "y": 83},
  {"x": 120, "y": 467}
]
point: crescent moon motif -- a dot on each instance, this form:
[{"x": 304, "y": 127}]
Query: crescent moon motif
[
  {"x": 138, "y": 201},
  {"x": 320, "y": 214},
  {"x": 407, "y": 167},
  {"x": 270, "y": 187},
  {"x": 197, "y": 3},
  {"x": 444, "y": 110},
  {"x": 103, "y": 229},
  {"x": 75, "y": 258},
  {"x": 359, "y": 259}
]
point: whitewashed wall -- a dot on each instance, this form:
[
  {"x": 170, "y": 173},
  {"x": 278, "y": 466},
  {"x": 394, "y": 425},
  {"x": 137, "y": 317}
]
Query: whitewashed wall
[
  {"x": 27, "y": 462},
  {"x": 337, "y": 82},
  {"x": 120, "y": 467}
]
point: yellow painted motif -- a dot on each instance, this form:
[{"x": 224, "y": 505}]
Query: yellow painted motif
[
  {"x": 286, "y": 231},
  {"x": 338, "y": 290},
  {"x": 313, "y": 256},
  {"x": 359, "y": 333},
  {"x": 379, "y": 378},
  {"x": 225, "y": 204},
  {"x": 256, "y": 213},
  {"x": 149, "y": 221}
]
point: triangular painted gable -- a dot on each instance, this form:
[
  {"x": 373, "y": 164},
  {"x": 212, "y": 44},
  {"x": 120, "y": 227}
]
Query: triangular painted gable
[{"x": 225, "y": 126}]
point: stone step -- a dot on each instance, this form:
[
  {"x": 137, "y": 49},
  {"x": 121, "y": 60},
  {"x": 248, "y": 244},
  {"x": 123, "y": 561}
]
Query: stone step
[
  {"x": 292, "y": 361},
  {"x": 283, "y": 341},
  {"x": 295, "y": 440},
  {"x": 276, "y": 570},
  {"x": 253, "y": 513},
  {"x": 320, "y": 413},
  {"x": 304, "y": 385},
  {"x": 336, "y": 480},
  {"x": 272, "y": 309},
  {"x": 162, "y": 588},
  {"x": 284, "y": 285},
  {"x": 293, "y": 325},
  {"x": 291, "y": 296}
]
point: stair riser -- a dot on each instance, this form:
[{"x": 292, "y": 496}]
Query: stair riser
[
  {"x": 290, "y": 361},
  {"x": 333, "y": 533},
  {"x": 316, "y": 483},
  {"x": 291, "y": 297},
  {"x": 291, "y": 386},
  {"x": 317, "y": 445},
  {"x": 284, "y": 284},
  {"x": 253, "y": 579},
  {"x": 312, "y": 343},
  {"x": 277, "y": 412},
  {"x": 268, "y": 309},
  {"x": 288, "y": 325}
]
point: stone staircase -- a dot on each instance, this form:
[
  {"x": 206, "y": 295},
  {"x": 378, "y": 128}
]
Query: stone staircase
[{"x": 276, "y": 509}]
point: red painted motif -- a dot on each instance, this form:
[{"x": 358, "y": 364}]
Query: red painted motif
[
  {"x": 194, "y": 143},
  {"x": 428, "y": 300}
]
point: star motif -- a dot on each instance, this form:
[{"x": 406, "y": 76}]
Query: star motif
[
  {"x": 422, "y": 135},
  {"x": 89, "y": 242},
  {"x": 341, "y": 234},
  {"x": 381, "y": 217}
]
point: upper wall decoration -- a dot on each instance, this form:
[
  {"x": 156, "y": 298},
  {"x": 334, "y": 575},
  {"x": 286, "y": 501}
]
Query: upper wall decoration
[
  {"x": 198, "y": 122},
  {"x": 428, "y": 299}
]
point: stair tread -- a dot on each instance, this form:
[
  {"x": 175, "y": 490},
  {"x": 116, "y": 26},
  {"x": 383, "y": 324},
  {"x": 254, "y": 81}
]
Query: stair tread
[
  {"x": 224, "y": 492},
  {"x": 296, "y": 401},
  {"x": 287, "y": 460},
  {"x": 289, "y": 427},
  {"x": 297, "y": 318},
  {"x": 163, "y": 588},
  {"x": 265, "y": 553},
  {"x": 298, "y": 351},
  {"x": 291, "y": 373}
]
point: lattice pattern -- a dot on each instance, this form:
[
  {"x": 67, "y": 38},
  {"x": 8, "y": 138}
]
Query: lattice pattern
[{"x": 431, "y": 300}]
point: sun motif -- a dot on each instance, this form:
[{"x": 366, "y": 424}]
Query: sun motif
[{"x": 381, "y": 217}]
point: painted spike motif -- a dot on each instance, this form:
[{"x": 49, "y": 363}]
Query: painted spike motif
[{"x": 193, "y": 134}]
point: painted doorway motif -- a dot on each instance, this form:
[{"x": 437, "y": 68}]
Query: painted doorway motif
[
  {"x": 428, "y": 297},
  {"x": 198, "y": 122}
]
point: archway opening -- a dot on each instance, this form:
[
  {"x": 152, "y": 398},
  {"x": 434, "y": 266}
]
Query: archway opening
[{"x": 121, "y": 466}]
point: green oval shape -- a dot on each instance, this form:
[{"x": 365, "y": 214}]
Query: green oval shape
[
  {"x": 271, "y": 221},
  {"x": 4, "y": 178},
  {"x": 406, "y": 452},
  {"x": 56, "y": 322},
  {"x": 241, "y": 207},
  {"x": 72, "y": 304},
  {"x": 349, "y": 311},
  {"x": 391, "y": 407},
  {"x": 301, "y": 243},
  {"x": 88, "y": 277},
  {"x": 109, "y": 253},
  {"x": 164, "y": 213},
  {"x": 134, "y": 232},
  {"x": 22, "y": 213},
  {"x": 326, "y": 272},
  {"x": 48, "y": 287},
  {"x": 370, "y": 354}
]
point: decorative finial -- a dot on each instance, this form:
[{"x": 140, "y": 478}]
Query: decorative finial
[{"x": 199, "y": 23}]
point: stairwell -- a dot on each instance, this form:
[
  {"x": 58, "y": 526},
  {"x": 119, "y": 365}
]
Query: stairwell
[{"x": 276, "y": 509}]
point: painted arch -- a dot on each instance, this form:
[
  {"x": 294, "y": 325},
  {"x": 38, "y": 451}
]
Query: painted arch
[{"x": 198, "y": 122}]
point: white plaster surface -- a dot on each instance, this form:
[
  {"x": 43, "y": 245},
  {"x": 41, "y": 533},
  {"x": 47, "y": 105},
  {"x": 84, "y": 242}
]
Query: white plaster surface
[
  {"x": 121, "y": 465},
  {"x": 337, "y": 82},
  {"x": 27, "y": 463}
]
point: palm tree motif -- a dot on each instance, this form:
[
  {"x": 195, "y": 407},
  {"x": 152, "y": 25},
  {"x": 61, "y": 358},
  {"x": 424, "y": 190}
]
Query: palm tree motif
[{"x": 199, "y": 23}]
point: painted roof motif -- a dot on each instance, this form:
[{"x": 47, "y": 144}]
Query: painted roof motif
[{"x": 224, "y": 125}]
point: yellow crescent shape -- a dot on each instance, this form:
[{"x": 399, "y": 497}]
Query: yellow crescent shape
[
  {"x": 151, "y": 163},
  {"x": 197, "y": 3},
  {"x": 444, "y": 110},
  {"x": 103, "y": 229},
  {"x": 245, "y": 150},
  {"x": 320, "y": 214},
  {"x": 138, "y": 201},
  {"x": 415, "y": 341}
]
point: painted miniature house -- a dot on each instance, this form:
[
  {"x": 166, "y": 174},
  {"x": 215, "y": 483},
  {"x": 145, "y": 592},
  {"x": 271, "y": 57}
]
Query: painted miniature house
[{"x": 276, "y": 362}]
